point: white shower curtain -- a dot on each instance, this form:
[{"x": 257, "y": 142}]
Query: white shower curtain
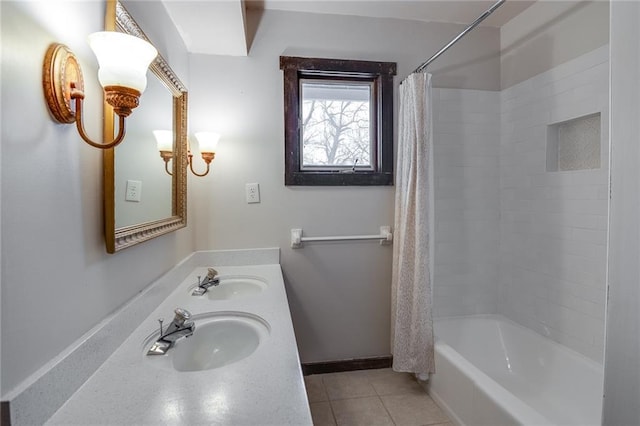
[{"x": 411, "y": 321}]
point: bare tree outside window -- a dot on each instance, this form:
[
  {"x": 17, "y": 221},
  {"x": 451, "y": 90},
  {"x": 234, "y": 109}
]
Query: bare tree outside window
[{"x": 336, "y": 126}]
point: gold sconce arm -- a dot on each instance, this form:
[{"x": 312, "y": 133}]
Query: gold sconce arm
[
  {"x": 83, "y": 134},
  {"x": 166, "y": 156},
  {"x": 207, "y": 157}
]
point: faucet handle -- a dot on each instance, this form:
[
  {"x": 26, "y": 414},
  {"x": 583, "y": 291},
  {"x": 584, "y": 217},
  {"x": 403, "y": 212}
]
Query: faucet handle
[
  {"x": 211, "y": 273},
  {"x": 182, "y": 315}
]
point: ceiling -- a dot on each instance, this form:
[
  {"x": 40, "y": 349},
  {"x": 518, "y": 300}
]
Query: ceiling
[{"x": 218, "y": 27}]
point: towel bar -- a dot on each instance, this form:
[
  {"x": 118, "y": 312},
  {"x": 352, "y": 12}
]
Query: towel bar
[{"x": 385, "y": 237}]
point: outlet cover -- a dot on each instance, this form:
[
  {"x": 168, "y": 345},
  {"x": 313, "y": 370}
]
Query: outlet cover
[
  {"x": 134, "y": 191},
  {"x": 252, "y": 193}
]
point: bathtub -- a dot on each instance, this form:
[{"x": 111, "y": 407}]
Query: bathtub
[{"x": 492, "y": 371}]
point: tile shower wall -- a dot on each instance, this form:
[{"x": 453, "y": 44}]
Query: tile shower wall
[
  {"x": 553, "y": 225},
  {"x": 466, "y": 132}
]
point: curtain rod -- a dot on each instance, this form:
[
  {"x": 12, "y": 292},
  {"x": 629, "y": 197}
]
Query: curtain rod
[{"x": 459, "y": 36}]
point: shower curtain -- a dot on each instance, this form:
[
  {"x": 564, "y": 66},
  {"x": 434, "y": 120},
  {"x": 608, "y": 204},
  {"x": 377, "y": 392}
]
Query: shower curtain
[{"x": 411, "y": 321}]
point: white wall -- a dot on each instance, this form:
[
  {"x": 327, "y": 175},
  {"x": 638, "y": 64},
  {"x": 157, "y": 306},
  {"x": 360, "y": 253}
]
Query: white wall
[
  {"x": 622, "y": 358},
  {"x": 548, "y": 34},
  {"x": 339, "y": 293},
  {"x": 553, "y": 225},
  {"x": 470, "y": 164},
  {"x": 466, "y": 135},
  {"x": 497, "y": 209},
  {"x": 57, "y": 280}
]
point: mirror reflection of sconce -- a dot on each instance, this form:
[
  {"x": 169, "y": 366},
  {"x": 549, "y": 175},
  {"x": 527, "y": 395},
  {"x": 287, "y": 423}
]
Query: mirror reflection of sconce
[
  {"x": 123, "y": 62},
  {"x": 207, "y": 141}
]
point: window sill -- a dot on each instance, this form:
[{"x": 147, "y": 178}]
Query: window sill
[{"x": 338, "y": 179}]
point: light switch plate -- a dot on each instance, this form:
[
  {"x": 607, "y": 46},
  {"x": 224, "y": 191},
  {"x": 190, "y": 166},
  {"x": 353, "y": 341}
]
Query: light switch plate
[{"x": 134, "y": 191}]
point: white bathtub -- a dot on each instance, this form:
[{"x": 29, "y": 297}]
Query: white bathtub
[{"x": 492, "y": 371}]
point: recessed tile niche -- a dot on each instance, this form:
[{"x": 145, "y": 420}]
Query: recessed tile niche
[{"x": 574, "y": 144}]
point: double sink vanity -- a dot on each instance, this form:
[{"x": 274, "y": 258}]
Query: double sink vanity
[
  {"x": 225, "y": 356},
  {"x": 238, "y": 366}
]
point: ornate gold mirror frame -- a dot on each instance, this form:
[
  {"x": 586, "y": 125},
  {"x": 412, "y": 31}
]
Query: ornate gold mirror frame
[{"x": 118, "y": 19}]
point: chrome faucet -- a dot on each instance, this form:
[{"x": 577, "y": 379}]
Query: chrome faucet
[
  {"x": 209, "y": 281},
  {"x": 181, "y": 326}
]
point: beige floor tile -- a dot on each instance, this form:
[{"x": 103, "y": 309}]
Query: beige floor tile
[
  {"x": 354, "y": 373},
  {"x": 315, "y": 388},
  {"x": 379, "y": 372},
  {"x": 347, "y": 385},
  {"x": 322, "y": 414},
  {"x": 393, "y": 383},
  {"x": 361, "y": 412},
  {"x": 413, "y": 410}
]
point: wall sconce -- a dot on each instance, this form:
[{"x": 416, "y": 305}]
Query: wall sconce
[
  {"x": 207, "y": 141},
  {"x": 123, "y": 62},
  {"x": 164, "y": 139}
]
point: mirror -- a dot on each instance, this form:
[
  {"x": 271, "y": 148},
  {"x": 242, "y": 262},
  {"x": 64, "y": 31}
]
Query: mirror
[{"x": 134, "y": 167}]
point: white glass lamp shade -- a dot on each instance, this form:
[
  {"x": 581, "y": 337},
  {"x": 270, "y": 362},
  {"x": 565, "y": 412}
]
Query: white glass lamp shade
[
  {"x": 164, "y": 139},
  {"x": 207, "y": 141},
  {"x": 123, "y": 59}
]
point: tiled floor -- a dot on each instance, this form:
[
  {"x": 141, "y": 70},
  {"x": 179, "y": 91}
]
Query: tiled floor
[{"x": 371, "y": 397}]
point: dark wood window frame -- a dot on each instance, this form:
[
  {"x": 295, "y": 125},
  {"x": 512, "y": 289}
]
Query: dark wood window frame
[{"x": 381, "y": 73}]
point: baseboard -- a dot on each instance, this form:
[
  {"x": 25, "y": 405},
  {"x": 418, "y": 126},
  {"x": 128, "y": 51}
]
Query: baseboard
[
  {"x": 346, "y": 365},
  {"x": 5, "y": 414}
]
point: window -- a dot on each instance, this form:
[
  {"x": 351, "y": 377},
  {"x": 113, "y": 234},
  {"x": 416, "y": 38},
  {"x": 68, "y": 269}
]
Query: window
[
  {"x": 336, "y": 125},
  {"x": 338, "y": 121}
]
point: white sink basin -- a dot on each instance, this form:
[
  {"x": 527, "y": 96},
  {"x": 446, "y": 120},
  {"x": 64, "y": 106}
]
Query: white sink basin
[
  {"x": 220, "y": 339},
  {"x": 234, "y": 287}
]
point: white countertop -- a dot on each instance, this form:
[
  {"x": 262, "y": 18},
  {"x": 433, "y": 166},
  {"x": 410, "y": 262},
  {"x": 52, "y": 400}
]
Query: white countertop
[{"x": 265, "y": 388}]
